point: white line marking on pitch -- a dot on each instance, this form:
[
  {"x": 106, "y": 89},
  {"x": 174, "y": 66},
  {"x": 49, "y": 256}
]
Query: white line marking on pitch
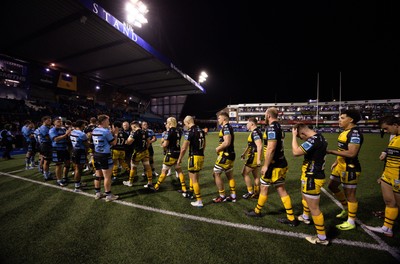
[
  {"x": 380, "y": 246},
  {"x": 393, "y": 251}
]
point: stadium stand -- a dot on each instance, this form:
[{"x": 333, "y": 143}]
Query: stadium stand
[{"x": 322, "y": 115}]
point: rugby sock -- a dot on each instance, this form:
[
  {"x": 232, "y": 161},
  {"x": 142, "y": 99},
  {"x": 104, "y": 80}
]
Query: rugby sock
[
  {"x": 352, "y": 211},
  {"x": 232, "y": 187},
  {"x": 132, "y": 174},
  {"x": 287, "y": 203},
  {"x": 341, "y": 198},
  {"x": 391, "y": 214},
  {"x": 160, "y": 180},
  {"x": 196, "y": 188},
  {"x": 182, "y": 180},
  {"x": 191, "y": 187},
  {"x": 256, "y": 189},
  {"x": 262, "y": 199},
  {"x": 319, "y": 225},
  {"x": 306, "y": 210}
]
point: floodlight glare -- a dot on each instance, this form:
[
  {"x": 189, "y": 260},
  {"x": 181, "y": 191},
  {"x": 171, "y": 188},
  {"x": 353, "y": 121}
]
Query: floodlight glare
[
  {"x": 136, "y": 12},
  {"x": 203, "y": 77}
]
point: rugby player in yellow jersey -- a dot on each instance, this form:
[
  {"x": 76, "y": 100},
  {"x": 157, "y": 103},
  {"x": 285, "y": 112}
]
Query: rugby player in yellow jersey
[
  {"x": 140, "y": 141},
  {"x": 195, "y": 141},
  {"x": 346, "y": 169},
  {"x": 253, "y": 156},
  {"x": 172, "y": 148},
  {"x": 274, "y": 169},
  {"x": 153, "y": 138},
  {"x": 390, "y": 179},
  {"x": 225, "y": 160},
  {"x": 312, "y": 178},
  {"x": 119, "y": 152}
]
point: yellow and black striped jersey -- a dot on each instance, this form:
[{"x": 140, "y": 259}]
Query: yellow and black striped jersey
[
  {"x": 392, "y": 162},
  {"x": 254, "y": 135},
  {"x": 140, "y": 138},
  {"x": 274, "y": 132},
  {"x": 196, "y": 137},
  {"x": 122, "y": 136},
  {"x": 314, "y": 159},
  {"x": 173, "y": 136},
  {"x": 227, "y": 129},
  {"x": 350, "y": 136}
]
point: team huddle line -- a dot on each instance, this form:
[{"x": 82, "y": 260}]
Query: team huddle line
[{"x": 107, "y": 148}]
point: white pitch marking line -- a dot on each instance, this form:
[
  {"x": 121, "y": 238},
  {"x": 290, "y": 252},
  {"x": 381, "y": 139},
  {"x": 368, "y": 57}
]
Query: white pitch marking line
[
  {"x": 380, "y": 246},
  {"x": 393, "y": 251}
]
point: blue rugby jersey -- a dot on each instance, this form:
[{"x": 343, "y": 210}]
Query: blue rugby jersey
[
  {"x": 101, "y": 139},
  {"x": 61, "y": 144},
  {"x": 77, "y": 138}
]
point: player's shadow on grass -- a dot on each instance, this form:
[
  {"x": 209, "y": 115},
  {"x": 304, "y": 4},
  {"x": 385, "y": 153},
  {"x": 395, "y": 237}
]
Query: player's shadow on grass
[{"x": 332, "y": 232}]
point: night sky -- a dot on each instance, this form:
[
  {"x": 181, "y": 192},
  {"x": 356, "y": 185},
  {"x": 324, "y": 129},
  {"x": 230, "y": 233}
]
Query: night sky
[{"x": 272, "y": 51}]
